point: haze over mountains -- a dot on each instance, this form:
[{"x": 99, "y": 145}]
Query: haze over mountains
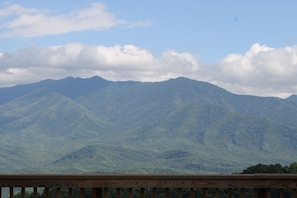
[{"x": 76, "y": 125}]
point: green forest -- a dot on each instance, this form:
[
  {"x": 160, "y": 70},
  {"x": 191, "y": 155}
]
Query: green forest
[
  {"x": 272, "y": 168},
  {"x": 178, "y": 126}
]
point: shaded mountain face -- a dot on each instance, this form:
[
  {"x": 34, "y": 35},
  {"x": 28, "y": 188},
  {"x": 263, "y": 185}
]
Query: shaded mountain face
[{"x": 76, "y": 125}]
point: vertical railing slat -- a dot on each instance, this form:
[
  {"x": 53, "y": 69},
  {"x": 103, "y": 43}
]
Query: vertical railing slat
[
  {"x": 261, "y": 192},
  {"x": 58, "y": 192},
  {"x": 142, "y": 192},
  {"x": 268, "y": 193},
  {"x": 281, "y": 193},
  {"x": 179, "y": 193},
  {"x": 97, "y": 192},
  {"x": 23, "y": 190},
  {"x": 82, "y": 193},
  {"x": 192, "y": 194},
  {"x": 204, "y": 192},
  {"x": 35, "y": 192},
  {"x": 70, "y": 193},
  {"x": 105, "y": 192},
  {"x": 167, "y": 192},
  {"x": 11, "y": 192},
  {"x": 229, "y": 192},
  {"x": 154, "y": 193},
  {"x": 242, "y": 193},
  {"x": 294, "y": 193},
  {"x": 256, "y": 190},
  {"x": 217, "y": 193},
  {"x": 130, "y": 190},
  {"x": 118, "y": 192},
  {"x": 94, "y": 193},
  {"x": 46, "y": 192}
]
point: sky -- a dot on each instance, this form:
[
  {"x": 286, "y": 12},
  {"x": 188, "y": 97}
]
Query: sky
[{"x": 245, "y": 47}]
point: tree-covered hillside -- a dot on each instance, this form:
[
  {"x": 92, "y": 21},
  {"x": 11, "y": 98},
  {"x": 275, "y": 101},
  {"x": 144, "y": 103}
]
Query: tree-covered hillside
[{"x": 78, "y": 125}]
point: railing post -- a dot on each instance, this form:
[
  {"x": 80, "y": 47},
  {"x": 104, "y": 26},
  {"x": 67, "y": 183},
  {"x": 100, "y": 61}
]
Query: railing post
[
  {"x": 229, "y": 192},
  {"x": 167, "y": 192},
  {"x": 70, "y": 193},
  {"x": 82, "y": 192},
  {"x": 217, "y": 193},
  {"x": 58, "y": 193},
  {"x": 294, "y": 193},
  {"x": 154, "y": 193},
  {"x": 11, "y": 192},
  {"x": 23, "y": 192},
  {"x": 97, "y": 192},
  {"x": 35, "y": 192},
  {"x": 242, "y": 193},
  {"x": 262, "y": 193},
  {"x": 130, "y": 192},
  {"x": 46, "y": 192},
  {"x": 105, "y": 192},
  {"x": 179, "y": 193},
  {"x": 281, "y": 193},
  {"x": 269, "y": 192},
  {"x": 192, "y": 194},
  {"x": 141, "y": 192},
  {"x": 118, "y": 192},
  {"x": 204, "y": 192}
]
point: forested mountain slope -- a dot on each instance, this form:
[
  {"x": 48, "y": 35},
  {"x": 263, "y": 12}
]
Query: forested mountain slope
[{"x": 76, "y": 125}]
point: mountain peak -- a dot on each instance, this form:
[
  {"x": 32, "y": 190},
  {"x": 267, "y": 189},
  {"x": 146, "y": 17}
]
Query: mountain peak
[
  {"x": 69, "y": 86},
  {"x": 73, "y": 87},
  {"x": 292, "y": 98}
]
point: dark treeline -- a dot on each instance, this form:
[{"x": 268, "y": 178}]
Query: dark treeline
[{"x": 272, "y": 168}]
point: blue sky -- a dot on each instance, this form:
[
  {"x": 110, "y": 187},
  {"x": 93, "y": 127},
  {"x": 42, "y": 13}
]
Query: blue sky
[{"x": 246, "y": 47}]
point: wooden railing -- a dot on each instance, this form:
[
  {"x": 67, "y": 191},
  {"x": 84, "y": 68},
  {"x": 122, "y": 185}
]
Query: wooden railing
[{"x": 257, "y": 185}]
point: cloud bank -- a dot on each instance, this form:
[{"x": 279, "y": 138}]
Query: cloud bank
[
  {"x": 30, "y": 22},
  {"x": 126, "y": 62},
  {"x": 260, "y": 71}
]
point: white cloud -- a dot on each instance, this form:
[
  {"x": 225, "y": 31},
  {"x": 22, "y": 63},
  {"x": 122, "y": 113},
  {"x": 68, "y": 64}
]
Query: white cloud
[
  {"x": 30, "y": 22},
  {"x": 16, "y": 10},
  {"x": 126, "y": 62},
  {"x": 260, "y": 71}
]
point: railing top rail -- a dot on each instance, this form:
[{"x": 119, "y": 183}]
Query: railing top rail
[{"x": 152, "y": 180}]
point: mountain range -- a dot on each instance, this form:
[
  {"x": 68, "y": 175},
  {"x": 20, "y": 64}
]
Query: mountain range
[{"x": 93, "y": 125}]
